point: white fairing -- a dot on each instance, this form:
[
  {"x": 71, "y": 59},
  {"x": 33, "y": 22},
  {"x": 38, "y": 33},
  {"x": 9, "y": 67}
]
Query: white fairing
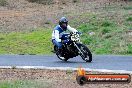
[{"x": 75, "y": 37}]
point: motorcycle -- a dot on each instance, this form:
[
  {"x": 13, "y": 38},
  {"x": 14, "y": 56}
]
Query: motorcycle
[{"x": 73, "y": 48}]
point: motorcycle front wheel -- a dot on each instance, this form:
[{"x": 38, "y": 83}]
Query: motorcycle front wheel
[{"x": 86, "y": 54}]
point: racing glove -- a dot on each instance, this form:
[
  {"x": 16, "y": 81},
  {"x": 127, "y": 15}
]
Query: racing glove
[
  {"x": 79, "y": 32},
  {"x": 65, "y": 41}
]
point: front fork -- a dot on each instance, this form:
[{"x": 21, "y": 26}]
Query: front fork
[{"x": 80, "y": 52}]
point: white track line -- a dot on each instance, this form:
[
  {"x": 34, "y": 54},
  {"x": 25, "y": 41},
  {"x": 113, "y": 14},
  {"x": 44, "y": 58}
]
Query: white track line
[{"x": 65, "y": 68}]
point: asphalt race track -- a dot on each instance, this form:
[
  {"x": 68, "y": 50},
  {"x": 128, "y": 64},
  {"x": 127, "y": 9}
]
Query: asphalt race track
[{"x": 100, "y": 62}]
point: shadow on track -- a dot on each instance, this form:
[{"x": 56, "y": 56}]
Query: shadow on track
[{"x": 81, "y": 62}]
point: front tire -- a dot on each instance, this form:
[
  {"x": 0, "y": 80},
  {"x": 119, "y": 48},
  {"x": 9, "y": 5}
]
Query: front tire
[{"x": 87, "y": 55}]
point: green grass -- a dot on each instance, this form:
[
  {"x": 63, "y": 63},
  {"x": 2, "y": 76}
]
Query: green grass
[
  {"x": 25, "y": 84},
  {"x": 129, "y": 49},
  {"x": 3, "y": 3},
  {"x": 109, "y": 23},
  {"x": 109, "y": 29},
  {"x": 129, "y": 18},
  {"x": 108, "y": 37},
  {"x": 36, "y": 42},
  {"x": 128, "y": 7}
]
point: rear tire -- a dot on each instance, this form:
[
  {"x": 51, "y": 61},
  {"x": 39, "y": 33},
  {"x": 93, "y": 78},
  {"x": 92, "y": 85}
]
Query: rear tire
[
  {"x": 61, "y": 58},
  {"x": 59, "y": 55},
  {"x": 87, "y": 55}
]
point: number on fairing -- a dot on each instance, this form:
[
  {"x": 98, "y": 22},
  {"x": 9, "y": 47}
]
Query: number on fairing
[{"x": 75, "y": 37}]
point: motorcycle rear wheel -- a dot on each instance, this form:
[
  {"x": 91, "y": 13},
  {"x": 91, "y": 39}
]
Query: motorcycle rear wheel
[{"x": 59, "y": 54}]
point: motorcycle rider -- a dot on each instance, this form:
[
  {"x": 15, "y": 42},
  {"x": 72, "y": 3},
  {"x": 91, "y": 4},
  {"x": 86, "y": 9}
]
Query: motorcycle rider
[{"x": 58, "y": 31}]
